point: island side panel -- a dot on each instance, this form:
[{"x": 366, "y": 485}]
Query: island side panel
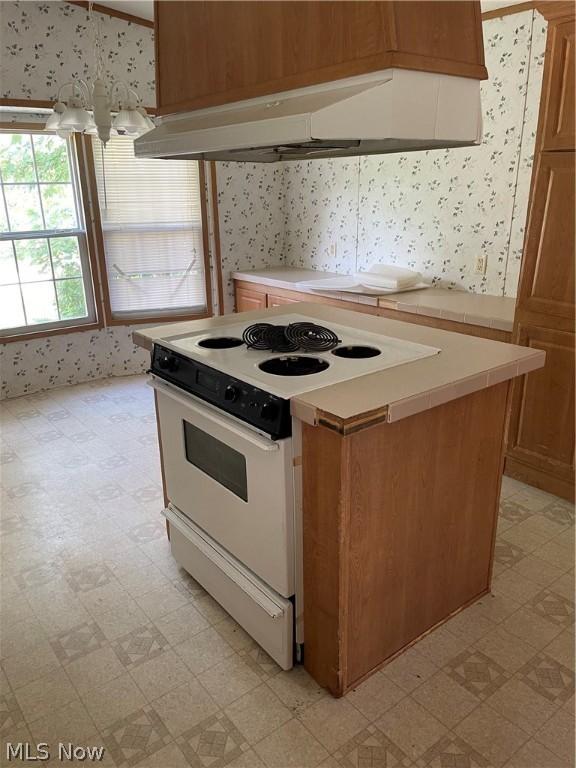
[
  {"x": 326, "y": 517},
  {"x": 406, "y": 530}
]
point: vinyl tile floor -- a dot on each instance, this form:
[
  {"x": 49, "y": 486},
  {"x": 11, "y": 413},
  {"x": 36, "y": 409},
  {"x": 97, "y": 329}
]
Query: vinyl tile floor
[{"x": 106, "y": 642}]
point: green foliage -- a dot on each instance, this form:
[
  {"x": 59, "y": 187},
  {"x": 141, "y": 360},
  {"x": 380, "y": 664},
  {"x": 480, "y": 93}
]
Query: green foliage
[
  {"x": 17, "y": 154},
  {"x": 71, "y": 301},
  {"x": 20, "y": 178},
  {"x": 65, "y": 257},
  {"x": 58, "y": 204},
  {"x": 51, "y": 158},
  {"x": 33, "y": 260},
  {"x": 23, "y": 204},
  {"x": 16, "y": 159}
]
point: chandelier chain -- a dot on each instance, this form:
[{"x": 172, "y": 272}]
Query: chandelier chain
[{"x": 97, "y": 43}]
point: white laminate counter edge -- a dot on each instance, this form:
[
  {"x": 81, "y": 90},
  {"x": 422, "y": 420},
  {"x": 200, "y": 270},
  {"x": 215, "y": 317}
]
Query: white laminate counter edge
[
  {"x": 501, "y": 320},
  {"x": 465, "y": 364}
]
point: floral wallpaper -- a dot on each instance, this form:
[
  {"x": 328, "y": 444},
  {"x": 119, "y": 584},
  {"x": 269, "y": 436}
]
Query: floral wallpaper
[
  {"x": 36, "y": 54},
  {"x": 70, "y": 358},
  {"x": 321, "y": 214},
  {"x": 35, "y": 58},
  {"x": 250, "y": 211},
  {"x": 433, "y": 211},
  {"x": 530, "y": 123}
]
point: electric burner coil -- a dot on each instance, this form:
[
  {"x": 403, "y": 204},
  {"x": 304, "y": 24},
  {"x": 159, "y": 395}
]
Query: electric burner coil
[
  {"x": 304, "y": 336},
  {"x": 265, "y": 336},
  {"x": 311, "y": 337}
]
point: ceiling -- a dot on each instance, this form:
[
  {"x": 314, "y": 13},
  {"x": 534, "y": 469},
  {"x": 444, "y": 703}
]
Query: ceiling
[
  {"x": 142, "y": 8},
  {"x": 491, "y": 5},
  {"x": 145, "y": 8}
]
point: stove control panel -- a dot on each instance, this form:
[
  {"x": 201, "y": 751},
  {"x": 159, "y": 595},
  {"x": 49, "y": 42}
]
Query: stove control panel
[{"x": 256, "y": 407}]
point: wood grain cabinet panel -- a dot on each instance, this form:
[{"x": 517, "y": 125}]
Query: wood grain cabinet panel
[
  {"x": 396, "y": 539},
  {"x": 558, "y": 129},
  {"x": 423, "y": 29},
  {"x": 547, "y": 282},
  {"x": 210, "y": 53},
  {"x": 542, "y": 425},
  {"x": 246, "y": 300},
  {"x": 278, "y": 301},
  {"x": 541, "y": 430}
]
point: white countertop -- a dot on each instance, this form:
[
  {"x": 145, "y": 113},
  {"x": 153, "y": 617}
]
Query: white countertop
[
  {"x": 458, "y": 306},
  {"x": 465, "y": 364}
]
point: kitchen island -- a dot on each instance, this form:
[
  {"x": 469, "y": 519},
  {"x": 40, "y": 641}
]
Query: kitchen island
[{"x": 400, "y": 473}]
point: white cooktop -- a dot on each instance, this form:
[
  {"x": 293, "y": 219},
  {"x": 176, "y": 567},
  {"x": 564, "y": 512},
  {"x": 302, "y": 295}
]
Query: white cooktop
[{"x": 243, "y": 363}]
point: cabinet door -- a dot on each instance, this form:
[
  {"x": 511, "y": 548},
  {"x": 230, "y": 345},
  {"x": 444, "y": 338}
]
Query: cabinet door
[
  {"x": 558, "y": 127},
  {"x": 542, "y": 422},
  {"x": 541, "y": 435},
  {"x": 211, "y": 53},
  {"x": 547, "y": 280},
  {"x": 277, "y": 301},
  {"x": 249, "y": 300}
]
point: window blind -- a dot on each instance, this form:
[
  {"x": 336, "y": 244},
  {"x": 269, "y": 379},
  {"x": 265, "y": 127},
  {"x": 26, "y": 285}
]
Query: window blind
[{"x": 151, "y": 217}]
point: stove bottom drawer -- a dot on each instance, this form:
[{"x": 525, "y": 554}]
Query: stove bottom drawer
[{"x": 262, "y": 612}]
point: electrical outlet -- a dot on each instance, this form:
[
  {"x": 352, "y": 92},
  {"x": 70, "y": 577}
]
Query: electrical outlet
[
  {"x": 480, "y": 265},
  {"x": 332, "y": 249}
]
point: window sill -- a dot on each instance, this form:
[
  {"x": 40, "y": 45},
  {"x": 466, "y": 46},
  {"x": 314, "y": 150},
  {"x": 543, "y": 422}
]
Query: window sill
[
  {"x": 98, "y": 326},
  {"x": 28, "y": 336},
  {"x": 158, "y": 319}
]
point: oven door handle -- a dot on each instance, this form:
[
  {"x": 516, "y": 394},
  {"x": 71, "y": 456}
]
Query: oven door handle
[{"x": 188, "y": 401}]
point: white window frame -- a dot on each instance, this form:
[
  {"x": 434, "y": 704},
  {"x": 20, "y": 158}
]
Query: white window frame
[{"x": 46, "y": 234}]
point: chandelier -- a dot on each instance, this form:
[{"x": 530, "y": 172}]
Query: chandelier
[{"x": 98, "y": 110}]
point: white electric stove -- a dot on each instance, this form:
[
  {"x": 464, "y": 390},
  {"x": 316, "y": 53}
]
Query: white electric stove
[
  {"x": 229, "y": 446},
  {"x": 356, "y": 354}
]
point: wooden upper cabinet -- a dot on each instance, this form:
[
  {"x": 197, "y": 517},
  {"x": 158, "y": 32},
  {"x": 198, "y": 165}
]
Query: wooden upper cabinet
[
  {"x": 547, "y": 279},
  {"x": 210, "y": 53},
  {"x": 558, "y": 126}
]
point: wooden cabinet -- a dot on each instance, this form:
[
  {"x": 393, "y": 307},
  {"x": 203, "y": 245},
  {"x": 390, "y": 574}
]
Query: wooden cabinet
[
  {"x": 398, "y": 527},
  {"x": 541, "y": 446},
  {"x": 247, "y": 300},
  {"x": 547, "y": 279},
  {"x": 276, "y": 301},
  {"x": 541, "y": 430},
  {"x": 210, "y": 53},
  {"x": 258, "y": 296},
  {"x": 558, "y": 126}
]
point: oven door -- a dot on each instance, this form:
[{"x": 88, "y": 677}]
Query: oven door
[{"x": 230, "y": 480}]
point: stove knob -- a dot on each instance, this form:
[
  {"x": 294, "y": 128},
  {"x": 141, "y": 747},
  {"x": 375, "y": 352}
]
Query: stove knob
[
  {"x": 168, "y": 363},
  {"x": 269, "y": 411},
  {"x": 231, "y": 393}
]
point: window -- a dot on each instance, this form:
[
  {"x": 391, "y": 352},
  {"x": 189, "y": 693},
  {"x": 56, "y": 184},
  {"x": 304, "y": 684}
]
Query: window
[
  {"x": 45, "y": 279},
  {"x": 151, "y": 217}
]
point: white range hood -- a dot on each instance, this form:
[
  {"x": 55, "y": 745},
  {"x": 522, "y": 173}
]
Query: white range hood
[{"x": 395, "y": 110}]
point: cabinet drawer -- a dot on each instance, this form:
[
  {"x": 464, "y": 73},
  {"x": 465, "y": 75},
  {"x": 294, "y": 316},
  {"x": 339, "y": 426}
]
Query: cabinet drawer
[
  {"x": 278, "y": 301},
  {"x": 261, "y": 611}
]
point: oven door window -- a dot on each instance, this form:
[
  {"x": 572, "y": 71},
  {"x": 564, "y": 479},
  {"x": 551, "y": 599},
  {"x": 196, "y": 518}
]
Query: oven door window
[{"x": 216, "y": 459}]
